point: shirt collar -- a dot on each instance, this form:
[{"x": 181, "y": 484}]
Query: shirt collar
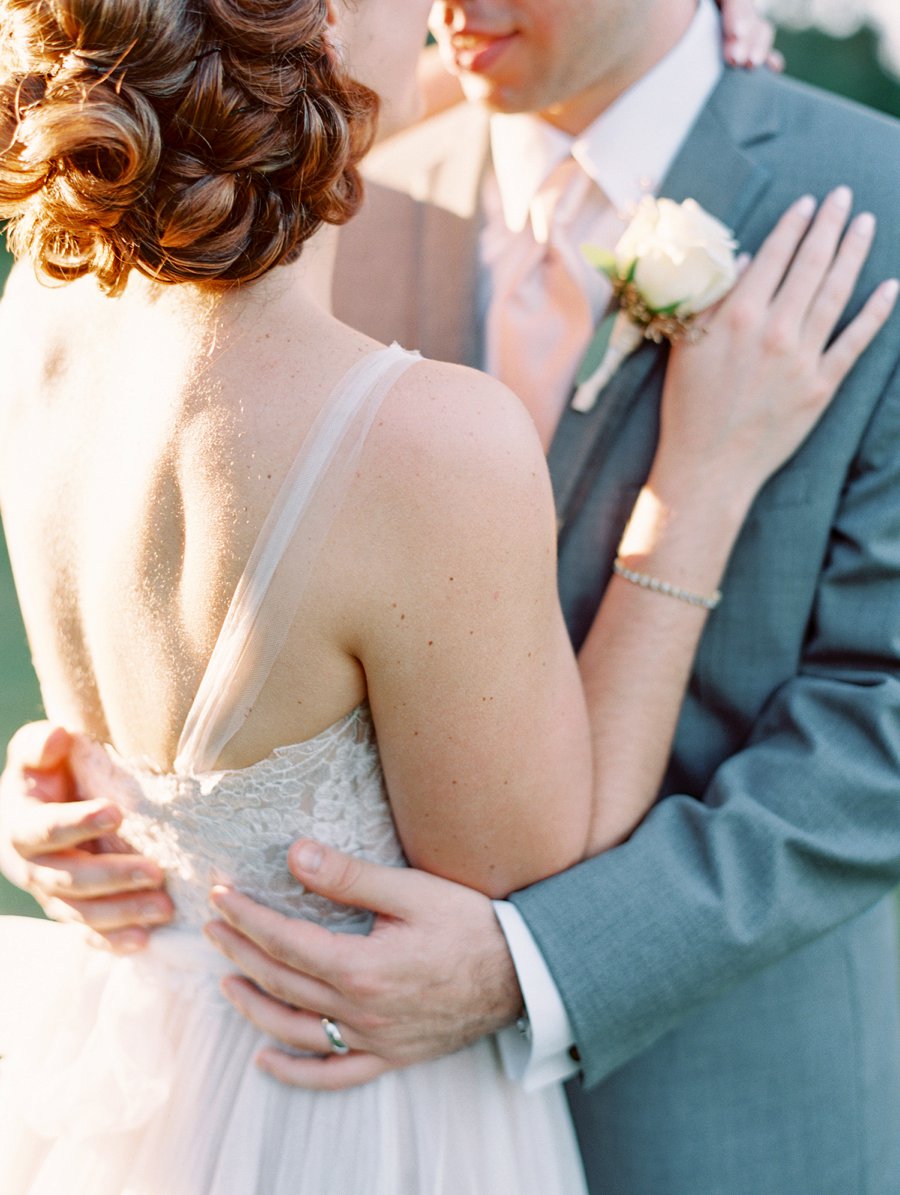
[{"x": 629, "y": 148}]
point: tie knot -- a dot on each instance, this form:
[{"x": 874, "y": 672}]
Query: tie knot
[{"x": 557, "y": 199}]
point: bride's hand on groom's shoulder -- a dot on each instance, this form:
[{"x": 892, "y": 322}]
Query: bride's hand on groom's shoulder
[
  {"x": 59, "y": 848},
  {"x": 741, "y": 400},
  {"x": 433, "y": 975}
]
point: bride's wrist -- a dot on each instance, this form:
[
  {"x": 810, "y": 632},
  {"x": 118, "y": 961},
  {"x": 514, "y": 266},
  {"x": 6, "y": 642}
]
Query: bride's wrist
[
  {"x": 683, "y": 534},
  {"x": 715, "y": 495},
  {"x": 728, "y": 477}
]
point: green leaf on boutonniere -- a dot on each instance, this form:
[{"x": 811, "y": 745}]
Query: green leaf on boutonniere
[
  {"x": 670, "y": 310},
  {"x": 600, "y": 259},
  {"x": 596, "y": 350}
]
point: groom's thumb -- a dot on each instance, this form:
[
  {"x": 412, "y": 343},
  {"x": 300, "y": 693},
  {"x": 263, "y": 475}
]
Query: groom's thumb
[{"x": 352, "y": 881}]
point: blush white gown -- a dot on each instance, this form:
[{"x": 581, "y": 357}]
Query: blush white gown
[{"x": 134, "y": 1076}]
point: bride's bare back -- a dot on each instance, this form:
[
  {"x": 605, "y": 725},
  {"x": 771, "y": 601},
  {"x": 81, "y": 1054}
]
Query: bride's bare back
[
  {"x": 173, "y": 419},
  {"x": 161, "y": 434}
]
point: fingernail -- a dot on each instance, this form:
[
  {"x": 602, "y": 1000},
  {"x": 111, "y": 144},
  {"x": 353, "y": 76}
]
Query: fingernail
[
  {"x": 890, "y": 290},
  {"x": 806, "y": 206},
  {"x": 864, "y": 225},
  {"x": 757, "y": 58},
  {"x": 308, "y": 857},
  {"x": 139, "y": 876},
  {"x": 107, "y": 820},
  {"x": 211, "y": 930},
  {"x": 842, "y": 197}
]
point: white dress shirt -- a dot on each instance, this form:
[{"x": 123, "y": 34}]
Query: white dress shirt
[{"x": 626, "y": 153}]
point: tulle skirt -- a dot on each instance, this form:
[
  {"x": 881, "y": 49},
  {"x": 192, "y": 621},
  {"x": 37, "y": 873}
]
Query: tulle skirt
[{"x": 134, "y": 1076}]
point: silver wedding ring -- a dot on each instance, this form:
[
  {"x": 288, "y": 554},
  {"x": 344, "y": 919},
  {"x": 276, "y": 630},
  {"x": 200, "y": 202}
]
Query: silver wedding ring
[{"x": 336, "y": 1042}]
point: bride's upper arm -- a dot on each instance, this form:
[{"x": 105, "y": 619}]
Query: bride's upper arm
[{"x": 473, "y": 685}]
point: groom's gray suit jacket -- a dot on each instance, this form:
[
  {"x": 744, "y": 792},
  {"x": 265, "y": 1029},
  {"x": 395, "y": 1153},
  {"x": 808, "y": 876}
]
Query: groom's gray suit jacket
[{"x": 731, "y": 971}]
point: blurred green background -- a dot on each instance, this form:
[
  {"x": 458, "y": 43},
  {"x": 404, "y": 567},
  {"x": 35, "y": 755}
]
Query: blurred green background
[{"x": 850, "y": 66}]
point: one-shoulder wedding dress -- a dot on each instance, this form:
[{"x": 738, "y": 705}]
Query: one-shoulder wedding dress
[{"x": 134, "y": 1075}]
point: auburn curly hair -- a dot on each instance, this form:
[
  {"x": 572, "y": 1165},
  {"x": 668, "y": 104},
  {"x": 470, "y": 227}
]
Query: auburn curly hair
[{"x": 191, "y": 140}]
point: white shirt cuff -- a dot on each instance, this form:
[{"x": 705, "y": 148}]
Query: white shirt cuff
[{"x": 541, "y": 1055}]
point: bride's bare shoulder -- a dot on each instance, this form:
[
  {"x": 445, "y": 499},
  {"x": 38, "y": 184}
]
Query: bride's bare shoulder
[
  {"x": 31, "y": 345},
  {"x": 38, "y": 316},
  {"x": 22, "y": 296},
  {"x": 455, "y": 419},
  {"x": 454, "y": 455}
]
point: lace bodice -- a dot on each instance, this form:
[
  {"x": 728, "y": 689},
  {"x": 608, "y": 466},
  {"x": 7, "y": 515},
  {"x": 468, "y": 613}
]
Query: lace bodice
[
  {"x": 236, "y": 826},
  {"x": 204, "y": 826}
]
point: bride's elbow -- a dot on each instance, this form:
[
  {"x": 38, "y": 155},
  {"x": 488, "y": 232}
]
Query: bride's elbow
[
  {"x": 610, "y": 827},
  {"x": 560, "y": 848},
  {"x": 496, "y": 874}
]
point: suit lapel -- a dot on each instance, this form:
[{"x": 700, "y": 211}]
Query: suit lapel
[
  {"x": 713, "y": 168},
  {"x": 581, "y": 439}
]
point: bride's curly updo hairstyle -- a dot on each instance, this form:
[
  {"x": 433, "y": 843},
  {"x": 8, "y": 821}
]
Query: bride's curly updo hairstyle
[{"x": 191, "y": 140}]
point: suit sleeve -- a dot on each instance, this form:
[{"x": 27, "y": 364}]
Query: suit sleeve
[{"x": 797, "y": 833}]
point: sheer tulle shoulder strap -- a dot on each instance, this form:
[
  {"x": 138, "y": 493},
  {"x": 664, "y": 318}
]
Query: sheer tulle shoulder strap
[{"x": 267, "y": 596}]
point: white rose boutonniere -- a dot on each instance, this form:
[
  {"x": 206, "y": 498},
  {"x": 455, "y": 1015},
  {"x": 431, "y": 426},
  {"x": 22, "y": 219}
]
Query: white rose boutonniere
[{"x": 673, "y": 262}]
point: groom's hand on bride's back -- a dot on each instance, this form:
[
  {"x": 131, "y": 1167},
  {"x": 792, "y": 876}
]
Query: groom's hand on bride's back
[
  {"x": 433, "y": 975},
  {"x": 62, "y": 850}
]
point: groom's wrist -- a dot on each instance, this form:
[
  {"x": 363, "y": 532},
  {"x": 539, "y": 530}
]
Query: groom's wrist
[{"x": 538, "y": 1050}]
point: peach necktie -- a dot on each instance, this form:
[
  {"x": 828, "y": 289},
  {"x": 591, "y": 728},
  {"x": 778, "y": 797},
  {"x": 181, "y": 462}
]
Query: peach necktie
[{"x": 539, "y": 319}]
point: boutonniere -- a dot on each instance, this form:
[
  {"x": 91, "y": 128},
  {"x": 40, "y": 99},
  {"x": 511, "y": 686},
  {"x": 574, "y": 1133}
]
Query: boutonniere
[{"x": 673, "y": 262}]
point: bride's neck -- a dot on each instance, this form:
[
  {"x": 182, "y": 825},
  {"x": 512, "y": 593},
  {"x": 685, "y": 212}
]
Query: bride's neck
[
  {"x": 306, "y": 282},
  {"x": 310, "y": 277}
]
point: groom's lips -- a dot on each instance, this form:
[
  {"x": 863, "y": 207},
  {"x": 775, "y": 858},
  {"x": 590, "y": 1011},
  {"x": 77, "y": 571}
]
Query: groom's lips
[{"x": 477, "y": 52}]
